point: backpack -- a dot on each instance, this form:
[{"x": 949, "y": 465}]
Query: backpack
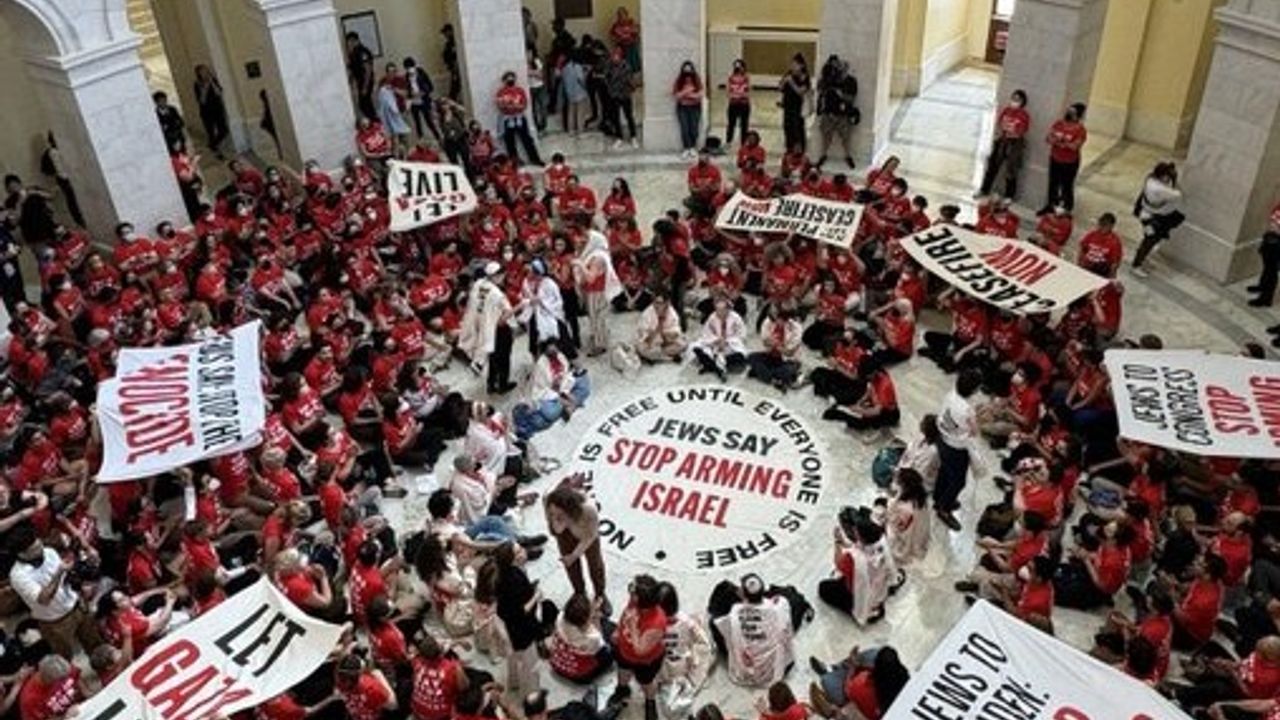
[
  {"x": 997, "y": 520},
  {"x": 885, "y": 463}
]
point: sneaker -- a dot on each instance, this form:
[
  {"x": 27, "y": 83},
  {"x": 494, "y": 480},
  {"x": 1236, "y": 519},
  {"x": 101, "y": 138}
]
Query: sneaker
[
  {"x": 1274, "y": 330},
  {"x": 819, "y": 701},
  {"x": 617, "y": 144},
  {"x": 849, "y": 160},
  {"x": 635, "y": 144},
  {"x": 1139, "y": 272},
  {"x": 949, "y": 519},
  {"x": 966, "y": 586},
  {"x": 619, "y": 695}
]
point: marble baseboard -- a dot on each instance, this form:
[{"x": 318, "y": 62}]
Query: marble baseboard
[
  {"x": 661, "y": 134},
  {"x": 942, "y": 60},
  {"x": 1223, "y": 259},
  {"x": 1159, "y": 129},
  {"x": 906, "y": 81}
]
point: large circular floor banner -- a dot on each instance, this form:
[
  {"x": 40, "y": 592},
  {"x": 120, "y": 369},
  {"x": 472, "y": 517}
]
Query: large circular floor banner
[{"x": 700, "y": 478}]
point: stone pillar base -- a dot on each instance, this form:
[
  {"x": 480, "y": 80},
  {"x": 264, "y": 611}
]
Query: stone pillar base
[
  {"x": 1224, "y": 260},
  {"x": 661, "y": 133},
  {"x": 671, "y": 33}
]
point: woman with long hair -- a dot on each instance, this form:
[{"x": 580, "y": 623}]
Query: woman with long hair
[
  {"x": 688, "y": 92},
  {"x": 1157, "y": 209}
]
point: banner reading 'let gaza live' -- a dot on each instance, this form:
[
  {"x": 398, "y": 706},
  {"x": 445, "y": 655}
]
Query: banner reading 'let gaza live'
[
  {"x": 424, "y": 193},
  {"x": 250, "y": 648},
  {"x": 993, "y": 665},
  {"x": 834, "y": 223},
  {"x": 171, "y": 406},
  {"x": 1191, "y": 401},
  {"x": 1009, "y": 274}
]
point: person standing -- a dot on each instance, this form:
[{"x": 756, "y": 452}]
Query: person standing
[
  {"x": 688, "y": 93},
  {"x": 513, "y": 101},
  {"x": 421, "y": 106},
  {"x": 958, "y": 428},
  {"x": 51, "y": 165},
  {"x": 738, "y": 91},
  {"x": 391, "y": 106},
  {"x": 360, "y": 70},
  {"x": 449, "y": 54},
  {"x": 12, "y": 287},
  {"x": 1010, "y": 142},
  {"x": 453, "y": 128},
  {"x": 486, "y": 335},
  {"x": 1065, "y": 139},
  {"x": 1269, "y": 248},
  {"x": 620, "y": 84},
  {"x": 562, "y": 44},
  {"x": 213, "y": 109},
  {"x": 31, "y": 210},
  {"x": 573, "y": 83},
  {"x": 530, "y": 30},
  {"x": 537, "y": 89},
  {"x": 795, "y": 88},
  {"x": 1158, "y": 210},
  {"x": 171, "y": 122},
  {"x": 837, "y": 112},
  {"x": 598, "y": 285},
  {"x": 625, "y": 33},
  {"x": 39, "y": 577},
  {"x": 574, "y": 522}
]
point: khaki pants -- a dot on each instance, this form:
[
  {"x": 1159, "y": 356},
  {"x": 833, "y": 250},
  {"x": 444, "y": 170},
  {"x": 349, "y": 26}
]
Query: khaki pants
[
  {"x": 661, "y": 350},
  {"x": 838, "y": 128},
  {"x": 63, "y": 633},
  {"x": 598, "y": 317}
]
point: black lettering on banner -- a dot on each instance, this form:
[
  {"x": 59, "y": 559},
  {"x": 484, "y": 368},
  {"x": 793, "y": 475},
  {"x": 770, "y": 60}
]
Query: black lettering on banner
[
  {"x": 263, "y": 637},
  {"x": 1182, "y": 400},
  {"x": 979, "y": 683},
  {"x": 110, "y": 711}
]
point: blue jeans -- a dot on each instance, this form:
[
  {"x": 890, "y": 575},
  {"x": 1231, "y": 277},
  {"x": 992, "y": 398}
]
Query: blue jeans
[
  {"x": 491, "y": 528},
  {"x": 531, "y": 419},
  {"x": 690, "y": 119}
]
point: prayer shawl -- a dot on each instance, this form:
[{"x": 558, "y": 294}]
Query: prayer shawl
[
  {"x": 480, "y": 321},
  {"x": 597, "y": 249},
  {"x": 545, "y": 306},
  {"x": 873, "y": 572},
  {"x": 666, "y": 327},
  {"x": 731, "y": 329},
  {"x": 907, "y": 529},
  {"x": 758, "y": 640}
]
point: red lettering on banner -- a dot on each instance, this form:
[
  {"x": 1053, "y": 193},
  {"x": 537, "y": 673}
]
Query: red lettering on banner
[
  {"x": 1018, "y": 264},
  {"x": 153, "y": 401},
  {"x": 154, "y": 434},
  {"x": 1231, "y": 413},
  {"x": 1266, "y": 396},
  {"x": 162, "y": 666},
  {"x": 184, "y": 696},
  {"x": 641, "y": 455},
  {"x": 692, "y": 505}
]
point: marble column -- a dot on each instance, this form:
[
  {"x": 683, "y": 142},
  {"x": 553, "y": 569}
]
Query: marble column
[
  {"x": 862, "y": 33},
  {"x": 309, "y": 97},
  {"x": 1231, "y": 178},
  {"x": 98, "y": 105},
  {"x": 1052, "y": 52},
  {"x": 215, "y": 49},
  {"x": 672, "y": 32},
  {"x": 490, "y": 35}
]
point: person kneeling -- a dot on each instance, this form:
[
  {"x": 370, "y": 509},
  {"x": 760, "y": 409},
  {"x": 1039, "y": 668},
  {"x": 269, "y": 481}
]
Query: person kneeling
[{"x": 556, "y": 390}]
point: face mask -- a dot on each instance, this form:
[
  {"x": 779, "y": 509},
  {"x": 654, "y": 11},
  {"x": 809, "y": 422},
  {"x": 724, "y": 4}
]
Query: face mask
[
  {"x": 1024, "y": 574},
  {"x": 508, "y": 256},
  {"x": 1016, "y": 103}
]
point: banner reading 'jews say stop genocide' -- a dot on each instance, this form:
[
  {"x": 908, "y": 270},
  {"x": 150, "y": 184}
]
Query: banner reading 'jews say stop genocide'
[
  {"x": 992, "y": 665},
  {"x": 250, "y": 648},
  {"x": 1191, "y": 401},
  {"x": 171, "y": 406},
  {"x": 424, "y": 193},
  {"x": 834, "y": 223},
  {"x": 1009, "y": 274}
]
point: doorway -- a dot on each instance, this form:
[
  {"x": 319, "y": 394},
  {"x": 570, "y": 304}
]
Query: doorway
[{"x": 998, "y": 30}]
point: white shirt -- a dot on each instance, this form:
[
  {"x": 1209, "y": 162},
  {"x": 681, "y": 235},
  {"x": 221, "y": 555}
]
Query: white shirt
[
  {"x": 28, "y": 580},
  {"x": 957, "y": 422},
  {"x": 758, "y": 638},
  {"x": 474, "y": 494}
]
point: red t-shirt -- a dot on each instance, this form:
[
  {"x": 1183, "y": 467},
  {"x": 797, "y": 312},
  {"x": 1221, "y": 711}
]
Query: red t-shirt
[
  {"x": 1100, "y": 247},
  {"x": 1259, "y": 679},
  {"x": 738, "y": 88},
  {"x": 646, "y": 621},
  {"x": 435, "y": 685},
  {"x": 1014, "y": 121},
  {"x": 1237, "y": 552},
  {"x": 512, "y": 100},
  {"x": 365, "y": 584},
  {"x": 860, "y": 689},
  {"x": 297, "y": 586},
  {"x": 388, "y": 645},
  {"x": 1113, "y": 569},
  {"x": 38, "y": 701},
  {"x": 1065, "y": 141},
  {"x": 1158, "y": 630},
  {"x": 366, "y": 699},
  {"x": 1036, "y": 598},
  {"x": 1200, "y": 609},
  {"x": 797, "y": 711},
  {"x": 280, "y": 707}
]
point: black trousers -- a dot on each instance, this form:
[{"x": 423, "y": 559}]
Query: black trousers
[
  {"x": 1006, "y": 154},
  {"x": 953, "y": 472},
  {"x": 500, "y": 359},
  {"x": 73, "y": 203},
  {"x": 740, "y": 117},
  {"x": 422, "y": 115},
  {"x": 367, "y": 108},
  {"x": 1062, "y": 184},
  {"x": 793, "y": 129},
  {"x": 1270, "y": 252},
  {"x": 518, "y": 129},
  {"x": 619, "y": 108}
]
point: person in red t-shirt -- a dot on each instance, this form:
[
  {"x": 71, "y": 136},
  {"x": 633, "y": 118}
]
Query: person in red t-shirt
[
  {"x": 51, "y": 691},
  {"x": 639, "y": 643},
  {"x": 1012, "y": 124},
  {"x": 123, "y": 624},
  {"x": 437, "y": 680},
  {"x": 738, "y": 91},
  {"x": 1101, "y": 249},
  {"x": 512, "y": 101},
  {"x": 864, "y": 684},
  {"x": 1194, "y": 618},
  {"x": 781, "y": 704},
  {"x": 366, "y": 693},
  {"x": 1065, "y": 139}
]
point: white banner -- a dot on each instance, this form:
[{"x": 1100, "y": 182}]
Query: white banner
[
  {"x": 1191, "y": 401},
  {"x": 171, "y": 406},
  {"x": 834, "y": 223},
  {"x": 992, "y": 665},
  {"x": 1009, "y": 274},
  {"x": 252, "y": 647},
  {"x": 424, "y": 193}
]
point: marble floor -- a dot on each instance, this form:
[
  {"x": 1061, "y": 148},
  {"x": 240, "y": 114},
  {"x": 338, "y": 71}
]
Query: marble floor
[{"x": 940, "y": 137}]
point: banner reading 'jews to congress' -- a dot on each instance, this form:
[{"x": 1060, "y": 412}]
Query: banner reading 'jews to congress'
[
  {"x": 252, "y": 647},
  {"x": 171, "y": 406},
  {"x": 1010, "y": 274},
  {"x": 992, "y": 665},
  {"x": 424, "y": 193},
  {"x": 827, "y": 221},
  {"x": 1192, "y": 401}
]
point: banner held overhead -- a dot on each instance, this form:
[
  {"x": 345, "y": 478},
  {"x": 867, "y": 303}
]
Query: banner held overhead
[
  {"x": 1195, "y": 402},
  {"x": 170, "y": 406},
  {"x": 425, "y": 193},
  {"x": 1008, "y": 274},
  {"x": 834, "y": 223}
]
